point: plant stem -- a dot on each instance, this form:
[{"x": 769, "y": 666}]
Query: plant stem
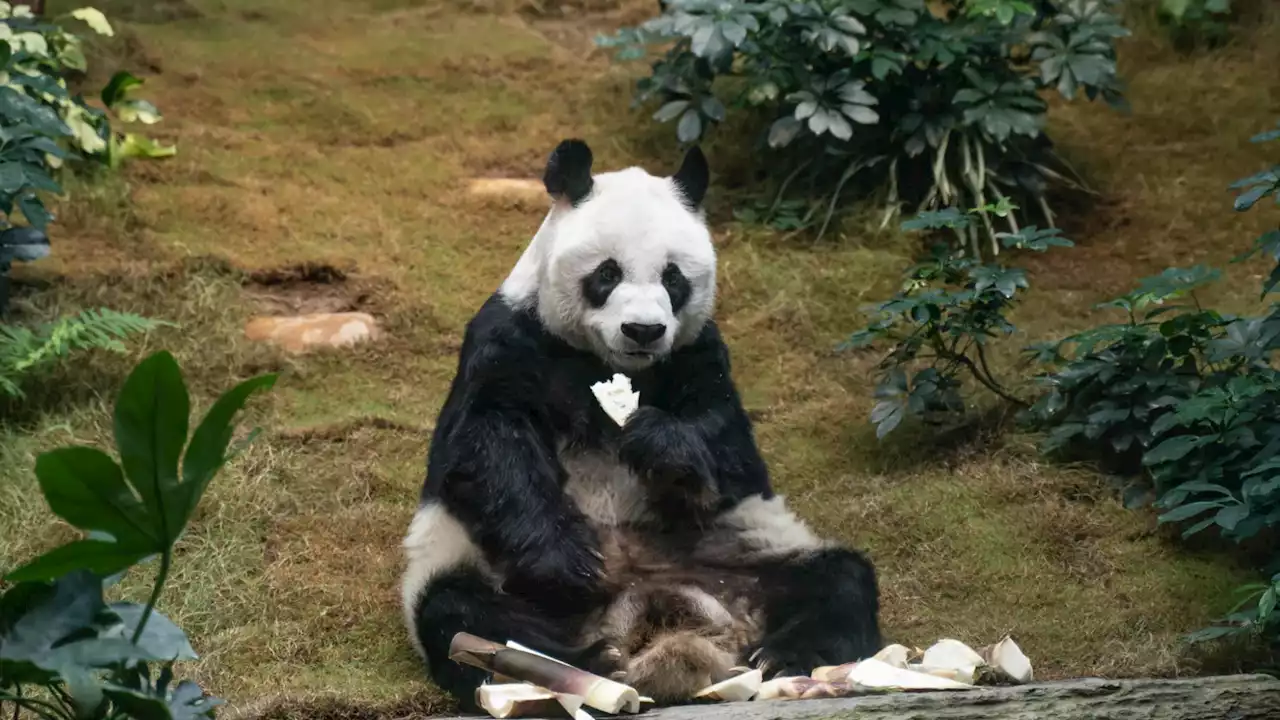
[
  {"x": 161, "y": 576},
  {"x": 987, "y": 382},
  {"x": 982, "y": 360},
  {"x": 39, "y": 707},
  {"x": 777, "y": 199}
]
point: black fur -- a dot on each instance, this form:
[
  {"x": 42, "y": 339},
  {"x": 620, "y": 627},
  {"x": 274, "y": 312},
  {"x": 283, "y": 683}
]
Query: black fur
[
  {"x": 693, "y": 177},
  {"x": 597, "y": 286},
  {"x": 678, "y": 288},
  {"x": 821, "y": 610},
  {"x": 568, "y": 172}
]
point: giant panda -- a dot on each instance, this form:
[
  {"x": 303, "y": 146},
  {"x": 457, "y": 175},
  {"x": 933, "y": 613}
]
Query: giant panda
[{"x": 656, "y": 552}]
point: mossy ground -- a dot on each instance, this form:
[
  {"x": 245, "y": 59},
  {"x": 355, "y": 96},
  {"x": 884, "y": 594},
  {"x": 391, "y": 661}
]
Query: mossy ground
[{"x": 339, "y": 134}]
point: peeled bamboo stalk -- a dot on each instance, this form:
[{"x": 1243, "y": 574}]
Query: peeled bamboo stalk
[
  {"x": 799, "y": 687},
  {"x": 518, "y": 700},
  {"x": 735, "y": 689},
  {"x": 1006, "y": 663},
  {"x": 832, "y": 673},
  {"x": 600, "y": 693}
]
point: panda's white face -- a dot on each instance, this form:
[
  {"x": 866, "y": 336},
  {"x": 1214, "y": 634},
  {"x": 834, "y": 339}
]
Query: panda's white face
[{"x": 627, "y": 272}]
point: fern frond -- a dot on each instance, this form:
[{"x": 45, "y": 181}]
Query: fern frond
[{"x": 24, "y": 349}]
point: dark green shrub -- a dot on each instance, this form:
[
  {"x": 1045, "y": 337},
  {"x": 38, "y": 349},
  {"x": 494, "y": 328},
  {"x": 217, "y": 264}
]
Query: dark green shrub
[
  {"x": 44, "y": 131},
  {"x": 936, "y": 104},
  {"x": 65, "y": 652},
  {"x": 939, "y": 324},
  {"x": 1195, "y": 22},
  {"x": 1189, "y": 395}
]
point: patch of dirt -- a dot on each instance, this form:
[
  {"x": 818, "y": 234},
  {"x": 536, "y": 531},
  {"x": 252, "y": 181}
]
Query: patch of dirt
[
  {"x": 150, "y": 11},
  {"x": 305, "y": 289},
  {"x": 574, "y": 24}
]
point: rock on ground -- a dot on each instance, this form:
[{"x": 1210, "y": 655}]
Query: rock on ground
[{"x": 302, "y": 333}]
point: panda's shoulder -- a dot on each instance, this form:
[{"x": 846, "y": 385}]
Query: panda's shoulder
[
  {"x": 501, "y": 336},
  {"x": 708, "y": 347}
]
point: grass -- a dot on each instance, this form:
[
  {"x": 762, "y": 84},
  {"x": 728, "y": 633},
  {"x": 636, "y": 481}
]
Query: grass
[{"x": 339, "y": 134}]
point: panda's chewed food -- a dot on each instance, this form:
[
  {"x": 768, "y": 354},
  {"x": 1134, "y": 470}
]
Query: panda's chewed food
[
  {"x": 617, "y": 398},
  {"x": 527, "y": 683}
]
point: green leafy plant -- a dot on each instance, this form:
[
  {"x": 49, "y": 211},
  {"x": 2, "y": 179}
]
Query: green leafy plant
[
  {"x": 43, "y": 126},
  {"x": 25, "y": 349},
  {"x": 934, "y": 105},
  {"x": 1192, "y": 22},
  {"x": 939, "y": 324},
  {"x": 65, "y": 652},
  {"x": 1188, "y": 395}
]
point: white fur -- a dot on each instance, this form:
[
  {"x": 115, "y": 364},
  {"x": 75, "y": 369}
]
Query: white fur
[
  {"x": 640, "y": 221},
  {"x": 604, "y": 489},
  {"x": 757, "y": 529},
  {"x": 436, "y": 543}
]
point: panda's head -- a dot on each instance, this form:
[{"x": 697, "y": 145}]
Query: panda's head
[{"x": 623, "y": 265}]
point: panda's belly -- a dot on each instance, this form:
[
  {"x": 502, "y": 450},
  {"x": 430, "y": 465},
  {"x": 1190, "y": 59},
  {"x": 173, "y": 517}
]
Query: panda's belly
[{"x": 604, "y": 489}]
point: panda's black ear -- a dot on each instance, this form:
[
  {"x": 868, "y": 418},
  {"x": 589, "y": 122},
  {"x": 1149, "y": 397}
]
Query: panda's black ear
[
  {"x": 693, "y": 176},
  {"x": 568, "y": 173}
]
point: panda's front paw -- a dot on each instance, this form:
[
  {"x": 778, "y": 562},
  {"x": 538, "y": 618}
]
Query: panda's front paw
[
  {"x": 563, "y": 579},
  {"x": 667, "y": 452}
]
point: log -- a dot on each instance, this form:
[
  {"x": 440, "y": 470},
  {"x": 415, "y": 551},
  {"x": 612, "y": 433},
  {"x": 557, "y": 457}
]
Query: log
[{"x": 1238, "y": 697}]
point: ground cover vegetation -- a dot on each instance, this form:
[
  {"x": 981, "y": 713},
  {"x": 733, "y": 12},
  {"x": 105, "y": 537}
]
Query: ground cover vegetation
[{"x": 322, "y": 169}]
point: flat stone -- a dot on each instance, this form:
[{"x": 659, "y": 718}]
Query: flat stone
[
  {"x": 518, "y": 189},
  {"x": 302, "y": 333}
]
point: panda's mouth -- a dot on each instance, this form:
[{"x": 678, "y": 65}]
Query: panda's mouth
[{"x": 639, "y": 354}]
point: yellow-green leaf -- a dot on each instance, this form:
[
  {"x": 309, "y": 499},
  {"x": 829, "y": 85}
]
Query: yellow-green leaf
[{"x": 94, "y": 19}]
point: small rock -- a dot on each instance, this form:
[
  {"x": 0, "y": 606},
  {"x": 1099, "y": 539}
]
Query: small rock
[
  {"x": 301, "y": 333},
  {"x": 511, "y": 189}
]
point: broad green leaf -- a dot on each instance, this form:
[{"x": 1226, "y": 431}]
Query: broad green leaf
[
  {"x": 53, "y": 615},
  {"x": 117, "y": 89},
  {"x": 1200, "y": 526},
  {"x": 137, "y": 704},
  {"x": 207, "y": 451},
  {"x": 18, "y": 107},
  {"x": 1267, "y": 603},
  {"x": 100, "y": 557},
  {"x": 1190, "y": 510},
  {"x": 671, "y": 110},
  {"x": 151, "y": 430},
  {"x": 1230, "y": 516},
  {"x": 887, "y": 415},
  {"x": 34, "y": 211},
  {"x": 133, "y": 145},
  {"x": 1251, "y": 197},
  {"x": 713, "y": 108},
  {"x": 690, "y": 127},
  {"x": 861, "y": 114},
  {"x": 13, "y": 177},
  {"x": 94, "y": 19},
  {"x": 1215, "y": 633},
  {"x": 160, "y": 637},
  {"x": 142, "y": 111},
  {"x": 1175, "y": 448},
  {"x": 85, "y": 487},
  {"x": 783, "y": 131},
  {"x": 186, "y": 702}
]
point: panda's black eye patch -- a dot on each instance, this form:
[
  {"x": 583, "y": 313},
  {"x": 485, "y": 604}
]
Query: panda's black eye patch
[
  {"x": 677, "y": 285},
  {"x": 597, "y": 286}
]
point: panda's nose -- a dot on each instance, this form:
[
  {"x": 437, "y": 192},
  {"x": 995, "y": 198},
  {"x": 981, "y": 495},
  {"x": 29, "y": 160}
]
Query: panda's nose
[{"x": 644, "y": 334}]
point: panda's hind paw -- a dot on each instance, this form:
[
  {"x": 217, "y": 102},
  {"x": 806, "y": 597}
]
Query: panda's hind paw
[{"x": 788, "y": 654}]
